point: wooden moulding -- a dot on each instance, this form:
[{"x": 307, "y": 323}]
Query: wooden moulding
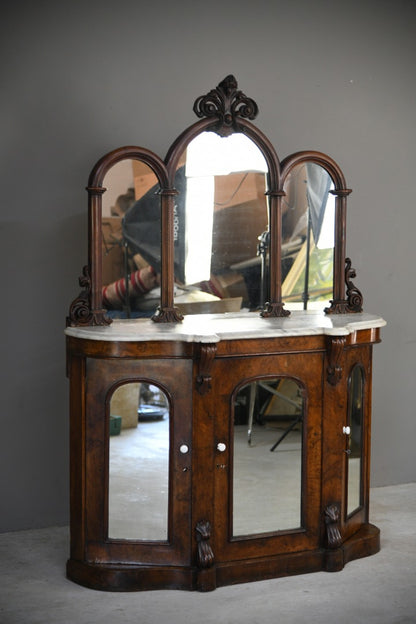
[{"x": 119, "y": 577}]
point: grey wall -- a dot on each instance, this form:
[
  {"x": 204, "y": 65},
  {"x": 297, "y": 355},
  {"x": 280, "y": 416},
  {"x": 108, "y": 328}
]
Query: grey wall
[{"x": 81, "y": 78}]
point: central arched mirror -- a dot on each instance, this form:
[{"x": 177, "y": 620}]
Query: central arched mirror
[{"x": 219, "y": 219}]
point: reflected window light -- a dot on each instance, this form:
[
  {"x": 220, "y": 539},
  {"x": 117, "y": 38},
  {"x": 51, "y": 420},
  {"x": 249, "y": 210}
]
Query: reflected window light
[
  {"x": 209, "y": 155},
  {"x": 326, "y": 236}
]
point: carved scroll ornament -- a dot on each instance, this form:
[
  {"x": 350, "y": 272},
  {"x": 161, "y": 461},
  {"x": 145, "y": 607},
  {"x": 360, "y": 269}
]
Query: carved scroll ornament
[
  {"x": 354, "y": 300},
  {"x": 80, "y": 313},
  {"x": 354, "y": 296}
]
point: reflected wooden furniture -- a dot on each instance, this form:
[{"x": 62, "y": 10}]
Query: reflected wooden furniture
[{"x": 200, "y": 362}]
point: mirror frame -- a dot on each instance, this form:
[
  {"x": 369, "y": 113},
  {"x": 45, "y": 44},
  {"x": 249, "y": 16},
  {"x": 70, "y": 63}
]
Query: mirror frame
[{"x": 224, "y": 110}]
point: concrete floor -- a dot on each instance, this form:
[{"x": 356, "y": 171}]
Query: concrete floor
[{"x": 376, "y": 590}]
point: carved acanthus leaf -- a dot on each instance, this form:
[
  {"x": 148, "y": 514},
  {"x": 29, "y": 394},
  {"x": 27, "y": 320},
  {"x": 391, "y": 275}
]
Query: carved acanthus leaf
[
  {"x": 332, "y": 523},
  {"x": 205, "y": 555}
]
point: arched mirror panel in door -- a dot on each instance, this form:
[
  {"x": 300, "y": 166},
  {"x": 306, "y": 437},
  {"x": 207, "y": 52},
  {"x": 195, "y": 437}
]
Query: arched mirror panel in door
[
  {"x": 354, "y": 434},
  {"x": 267, "y": 445},
  {"x": 139, "y": 443},
  {"x": 221, "y": 213},
  {"x": 131, "y": 240}
]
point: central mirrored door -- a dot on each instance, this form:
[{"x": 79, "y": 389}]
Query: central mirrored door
[{"x": 267, "y": 454}]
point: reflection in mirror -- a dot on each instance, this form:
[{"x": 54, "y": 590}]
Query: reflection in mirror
[
  {"x": 267, "y": 486},
  {"x": 308, "y": 231},
  {"x": 131, "y": 240},
  {"x": 218, "y": 221},
  {"x": 355, "y": 441},
  {"x": 138, "y": 463}
]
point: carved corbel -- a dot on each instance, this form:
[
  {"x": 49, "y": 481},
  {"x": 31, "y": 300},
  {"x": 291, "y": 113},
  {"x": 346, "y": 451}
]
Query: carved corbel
[
  {"x": 332, "y": 523},
  {"x": 205, "y": 555},
  {"x": 335, "y": 347},
  {"x": 206, "y": 359}
]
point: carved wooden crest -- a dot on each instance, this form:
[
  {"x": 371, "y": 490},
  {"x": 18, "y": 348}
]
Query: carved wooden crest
[{"x": 227, "y": 103}]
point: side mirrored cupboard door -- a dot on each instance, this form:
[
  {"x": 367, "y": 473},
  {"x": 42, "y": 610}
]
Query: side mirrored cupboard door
[
  {"x": 139, "y": 417},
  {"x": 355, "y": 439}
]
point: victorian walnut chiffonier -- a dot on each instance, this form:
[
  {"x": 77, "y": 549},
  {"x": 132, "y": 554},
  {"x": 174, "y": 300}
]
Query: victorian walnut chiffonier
[{"x": 219, "y": 361}]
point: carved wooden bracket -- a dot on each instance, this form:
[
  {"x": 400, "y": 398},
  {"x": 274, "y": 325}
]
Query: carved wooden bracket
[
  {"x": 354, "y": 300},
  {"x": 80, "y": 313},
  {"x": 227, "y": 103},
  {"x": 205, "y": 555},
  {"x": 332, "y": 522},
  {"x": 354, "y": 296},
  {"x": 206, "y": 358},
  {"x": 335, "y": 347}
]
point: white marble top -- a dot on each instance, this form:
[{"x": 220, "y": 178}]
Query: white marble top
[{"x": 211, "y": 328}]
